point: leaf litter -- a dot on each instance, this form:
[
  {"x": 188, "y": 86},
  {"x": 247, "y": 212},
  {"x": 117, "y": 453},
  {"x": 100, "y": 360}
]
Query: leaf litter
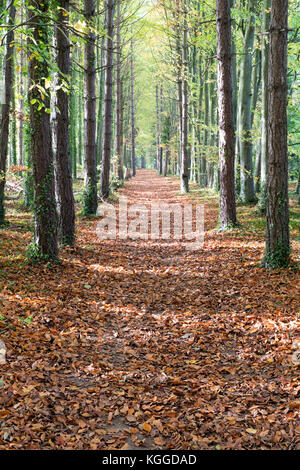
[{"x": 143, "y": 344}]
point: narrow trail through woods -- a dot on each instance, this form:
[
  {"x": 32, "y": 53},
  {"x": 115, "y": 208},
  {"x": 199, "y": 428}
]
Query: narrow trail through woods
[{"x": 144, "y": 344}]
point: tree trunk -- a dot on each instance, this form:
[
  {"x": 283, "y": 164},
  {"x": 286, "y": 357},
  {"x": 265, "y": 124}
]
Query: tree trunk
[
  {"x": 179, "y": 76},
  {"x": 90, "y": 176},
  {"x": 184, "y": 169},
  {"x": 5, "y": 106},
  {"x": 226, "y": 118},
  {"x": 106, "y": 154},
  {"x": 166, "y": 161},
  {"x": 264, "y": 104},
  {"x": 132, "y": 113},
  {"x": 41, "y": 147},
  {"x": 246, "y": 162},
  {"x": 277, "y": 236},
  {"x": 203, "y": 180},
  {"x": 64, "y": 184},
  {"x": 119, "y": 133},
  {"x": 161, "y": 149},
  {"x": 157, "y": 130},
  {"x": 21, "y": 91},
  {"x": 234, "y": 71}
]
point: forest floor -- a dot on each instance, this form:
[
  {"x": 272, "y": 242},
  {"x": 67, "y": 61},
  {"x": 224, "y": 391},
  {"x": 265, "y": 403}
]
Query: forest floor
[{"x": 135, "y": 344}]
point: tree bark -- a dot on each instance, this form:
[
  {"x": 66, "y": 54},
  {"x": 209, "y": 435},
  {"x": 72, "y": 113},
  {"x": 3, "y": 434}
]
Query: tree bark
[
  {"x": 245, "y": 137},
  {"x": 21, "y": 91},
  {"x": 5, "y": 107},
  {"x": 132, "y": 113},
  {"x": 106, "y": 154},
  {"x": 90, "y": 175},
  {"x": 119, "y": 132},
  {"x": 161, "y": 149},
  {"x": 277, "y": 235},
  {"x": 158, "y": 137},
  {"x": 226, "y": 118},
  {"x": 184, "y": 170},
  {"x": 264, "y": 104},
  {"x": 63, "y": 176},
  {"x": 41, "y": 144}
]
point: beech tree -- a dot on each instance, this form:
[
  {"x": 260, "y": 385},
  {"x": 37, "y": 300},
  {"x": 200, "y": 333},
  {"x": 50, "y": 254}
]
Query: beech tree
[
  {"x": 277, "y": 236},
  {"x": 5, "y": 105},
  {"x": 245, "y": 94},
  {"x": 226, "y": 121},
  {"x": 119, "y": 98},
  {"x": 107, "y": 142},
  {"x": 264, "y": 102},
  {"x": 90, "y": 175},
  {"x": 132, "y": 110},
  {"x": 184, "y": 173},
  {"x": 45, "y": 239},
  {"x": 63, "y": 176}
]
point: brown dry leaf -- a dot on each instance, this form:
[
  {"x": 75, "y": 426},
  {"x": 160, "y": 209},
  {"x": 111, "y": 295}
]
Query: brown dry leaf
[{"x": 159, "y": 441}]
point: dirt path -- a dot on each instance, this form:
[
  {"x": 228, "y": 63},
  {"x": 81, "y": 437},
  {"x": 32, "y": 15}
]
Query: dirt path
[{"x": 143, "y": 344}]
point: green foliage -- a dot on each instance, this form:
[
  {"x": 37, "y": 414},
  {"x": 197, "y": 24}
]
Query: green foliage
[
  {"x": 90, "y": 199},
  {"x": 34, "y": 256},
  {"x": 279, "y": 258},
  {"x": 115, "y": 182}
]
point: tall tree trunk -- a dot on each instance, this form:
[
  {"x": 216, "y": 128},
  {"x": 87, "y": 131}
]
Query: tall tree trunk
[
  {"x": 64, "y": 184},
  {"x": 90, "y": 176},
  {"x": 21, "y": 92},
  {"x": 99, "y": 139},
  {"x": 161, "y": 149},
  {"x": 179, "y": 77},
  {"x": 132, "y": 113},
  {"x": 5, "y": 107},
  {"x": 234, "y": 71},
  {"x": 203, "y": 180},
  {"x": 257, "y": 166},
  {"x": 264, "y": 104},
  {"x": 41, "y": 144},
  {"x": 256, "y": 81},
  {"x": 107, "y": 142},
  {"x": 158, "y": 137},
  {"x": 247, "y": 180},
  {"x": 212, "y": 164},
  {"x": 184, "y": 170},
  {"x": 166, "y": 161},
  {"x": 13, "y": 123},
  {"x": 226, "y": 118},
  {"x": 277, "y": 236},
  {"x": 119, "y": 133}
]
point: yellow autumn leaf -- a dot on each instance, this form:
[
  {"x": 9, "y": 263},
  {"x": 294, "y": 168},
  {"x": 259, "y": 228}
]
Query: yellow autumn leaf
[
  {"x": 251, "y": 431},
  {"x": 147, "y": 427}
]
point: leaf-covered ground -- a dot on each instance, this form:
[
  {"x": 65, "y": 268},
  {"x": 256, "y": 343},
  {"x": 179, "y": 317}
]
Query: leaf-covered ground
[{"x": 143, "y": 344}]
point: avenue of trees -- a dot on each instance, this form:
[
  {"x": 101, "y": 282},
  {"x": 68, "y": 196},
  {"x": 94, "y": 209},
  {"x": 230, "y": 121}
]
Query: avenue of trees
[{"x": 95, "y": 89}]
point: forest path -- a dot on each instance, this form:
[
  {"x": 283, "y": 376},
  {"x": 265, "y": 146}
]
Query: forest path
[{"x": 144, "y": 344}]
